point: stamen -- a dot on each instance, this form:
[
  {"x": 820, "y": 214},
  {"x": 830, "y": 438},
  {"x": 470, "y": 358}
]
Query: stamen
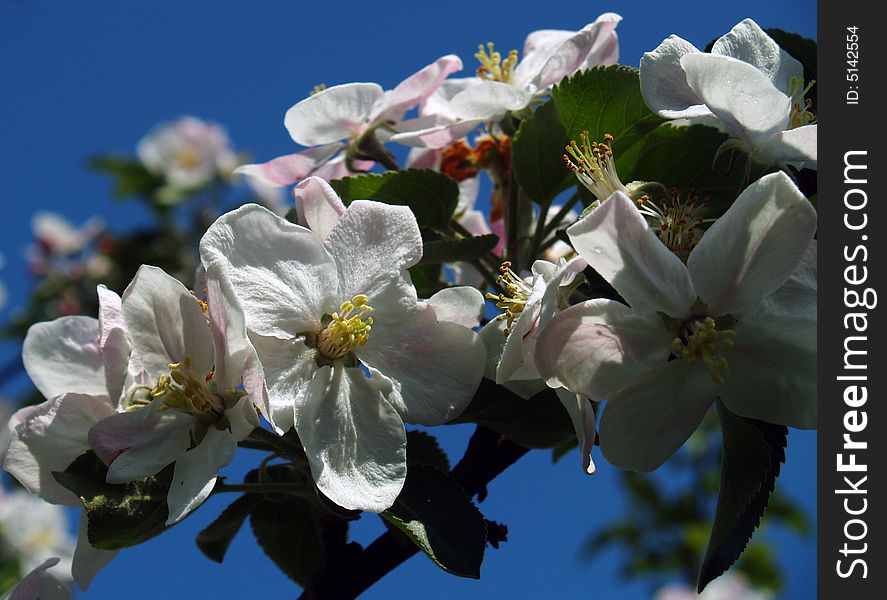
[
  {"x": 800, "y": 113},
  {"x": 182, "y": 390},
  {"x": 346, "y": 331},
  {"x": 703, "y": 341},
  {"x": 317, "y": 89},
  {"x": 519, "y": 292},
  {"x": 675, "y": 221},
  {"x": 594, "y": 166},
  {"x": 492, "y": 67}
]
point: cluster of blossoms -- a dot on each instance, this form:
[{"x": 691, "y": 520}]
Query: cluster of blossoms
[{"x": 317, "y": 327}]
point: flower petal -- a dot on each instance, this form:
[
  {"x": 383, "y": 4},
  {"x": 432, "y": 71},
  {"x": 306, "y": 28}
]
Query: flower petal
[
  {"x": 434, "y": 366},
  {"x": 460, "y": 305},
  {"x": 49, "y": 437},
  {"x": 650, "y": 419},
  {"x": 319, "y": 206},
  {"x": 64, "y": 356},
  {"x": 420, "y": 133},
  {"x": 754, "y": 247},
  {"x": 740, "y": 95},
  {"x": 287, "y": 367},
  {"x": 488, "y": 100},
  {"x": 772, "y": 370},
  {"x": 493, "y": 337},
  {"x": 88, "y": 561},
  {"x": 195, "y": 473},
  {"x": 354, "y": 440},
  {"x": 749, "y": 43},
  {"x": 582, "y": 415},
  {"x": 417, "y": 87},
  {"x": 39, "y": 584},
  {"x": 617, "y": 242},
  {"x": 288, "y": 169},
  {"x": 796, "y": 147},
  {"x": 797, "y": 296},
  {"x": 333, "y": 114},
  {"x": 283, "y": 277},
  {"x": 664, "y": 83},
  {"x": 114, "y": 342},
  {"x": 595, "y": 348}
]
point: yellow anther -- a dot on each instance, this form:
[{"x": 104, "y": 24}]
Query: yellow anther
[
  {"x": 492, "y": 66},
  {"x": 675, "y": 220},
  {"x": 514, "y": 302},
  {"x": 703, "y": 341},
  {"x": 594, "y": 166},
  {"x": 317, "y": 89},
  {"x": 348, "y": 330},
  {"x": 800, "y": 113}
]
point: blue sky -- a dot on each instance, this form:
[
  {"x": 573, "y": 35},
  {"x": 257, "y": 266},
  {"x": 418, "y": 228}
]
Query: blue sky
[{"x": 83, "y": 78}]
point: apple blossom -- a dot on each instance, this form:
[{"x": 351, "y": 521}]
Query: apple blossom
[
  {"x": 349, "y": 353},
  {"x": 35, "y": 531},
  {"x": 729, "y": 586},
  {"x": 748, "y": 86},
  {"x": 39, "y": 584},
  {"x": 712, "y": 314}
]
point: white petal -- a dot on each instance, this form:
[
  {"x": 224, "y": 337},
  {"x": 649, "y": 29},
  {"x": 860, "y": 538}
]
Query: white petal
[
  {"x": 39, "y": 584},
  {"x": 460, "y": 305},
  {"x": 355, "y": 440},
  {"x": 283, "y": 277},
  {"x": 772, "y": 370},
  {"x": 372, "y": 245},
  {"x": 49, "y": 437},
  {"x": 319, "y": 206},
  {"x": 334, "y": 114},
  {"x": 664, "y": 83},
  {"x": 195, "y": 473},
  {"x": 617, "y": 242},
  {"x": 493, "y": 337},
  {"x": 288, "y": 169},
  {"x": 595, "y": 348},
  {"x": 233, "y": 350},
  {"x": 754, "y": 247},
  {"x": 166, "y": 323},
  {"x": 582, "y": 415},
  {"x": 740, "y": 95},
  {"x": 88, "y": 561},
  {"x": 796, "y": 147},
  {"x": 439, "y": 103},
  {"x": 648, "y": 421},
  {"x": 749, "y": 43},
  {"x": 417, "y": 87},
  {"x": 419, "y": 134},
  {"x": 64, "y": 356},
  {"x": 435, "y": 367},
  {"x": 797, "y": 296},
  {"x": 288, "y": 366},
  {"x": 488, "y": 101},
  {"x": 114, "y": 341}
]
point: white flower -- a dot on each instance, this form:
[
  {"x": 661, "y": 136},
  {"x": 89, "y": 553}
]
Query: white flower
[
  {"x": 58, "y": 236},
  {"x": 502, "y": 85},
  {"x": 35, "y": 530},
  {"x": 188, "y": 152},
  {"x": 729, "y": 586},
  {"x": 348, "y": 351},
  {"x": 730, "y": 340},
  {"x": 39, "y": 584},
  {"x": 747, "y": 86}
]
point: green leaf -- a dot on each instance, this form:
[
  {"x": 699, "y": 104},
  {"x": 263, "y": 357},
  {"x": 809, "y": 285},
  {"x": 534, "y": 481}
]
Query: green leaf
[
  {"x": 752, "y": 455},
  {"x": 537, "y": 154},
  {"x": 119, "y": 515},
  {"x": 423, "y": 449},
  {"x": 437, "y": 515},
  {"x": 467, "y": 249},
  {"x": 215, "y": 538},
  {"x": 427, "y": 280},
  {"x": 290, "y": 533},
  {"x": 131, "y": 178},
  {"x": 539, "y": 422},
  {"x": 431, "y": 196}
]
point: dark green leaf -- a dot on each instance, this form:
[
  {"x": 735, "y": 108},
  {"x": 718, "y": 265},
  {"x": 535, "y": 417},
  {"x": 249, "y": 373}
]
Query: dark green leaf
[
  {"x": 437, "y": 515},
  {"x": 427, "y": 280},
  {"x": 539, "y": 422},
  {"x": 292, "y": 215},
  {"x": 290, "y": 533},
  {"x": 558, "y": 452},
  {"x": 537, "y": 155},
  {"x": 131, "y": 178},
  {"x": 214, "y": 540},
  {"x": 441, "y": 251},
  {"x": 119, "y": 515},
  {"x": 751, "y": 460},
  {"x": 431, "y": 196},
  {"x": 423, "y": 449}
]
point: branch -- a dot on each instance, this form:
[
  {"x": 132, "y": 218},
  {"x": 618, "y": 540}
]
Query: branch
[{"x": 488, "y": 454}]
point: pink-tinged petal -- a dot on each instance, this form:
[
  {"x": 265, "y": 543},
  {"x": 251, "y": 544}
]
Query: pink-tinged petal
[
  {"x": 589, "y": 45},
  {"x": 139, "y": 443},
  {"x": 88, "y": 561},
  {"x": 650, "y": 419},
  {"x": 434, "y": 366},
  {"x": 49, "y": 437},
  {"x": 319, "y": 206},
  {"x": 754, "y": 247},
  {"x": 664, "y": 83},
  {"x": 287, "y": 367},
  {"x": 166, "y": 324},
  {"x": 597, "y": 347},
  {"x": 435, "y": 136},
  {"x": 334, "y": 114},
  {"x": 195, "y": 473},
  {"x": 416, "y": 88},
  {"x": 749, "y": 43},
  {"x": 284, "y": 279},
  {"x": 582, "y": 415},
  {"x": 287, "y": 170},
  {"x": 64, "y": 356},
  {"x": 438, "y": 104},
  {"x": 423, "y": 158},
  {"x": 114, "y": 341},
  {"x": 796, "y": 147},
  {"x": 337, "y": 168},
  {"x": 354, "y": 440},
  {"x": 738, "y": 94},
  {"x": 771, "y": 372},
  {"x": 617, "y": 242},
  {"x": 372, "y": 245},
  {"x": 460, "y": 305},
  {"x": 545, "y": 39}
]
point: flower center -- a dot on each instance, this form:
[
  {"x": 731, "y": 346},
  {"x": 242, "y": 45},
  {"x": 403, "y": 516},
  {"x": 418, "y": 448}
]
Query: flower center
[
  {"x": 185, "y": 391},
  {"x": 594, "y": 166},
  {"x": 189, "y": 157},
  {"x": 492, "y": 67},
  {"x": 703, "y": 341},
  {"x": 675, "y": 221},
  {"x": 346, "y": 331},
  {"x": 800, "y": 114},
  {"x": 518, "y": 292}
]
